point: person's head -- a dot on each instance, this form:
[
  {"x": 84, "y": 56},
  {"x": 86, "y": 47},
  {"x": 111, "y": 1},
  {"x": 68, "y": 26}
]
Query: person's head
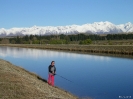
[{"x": 52, "y": 63}]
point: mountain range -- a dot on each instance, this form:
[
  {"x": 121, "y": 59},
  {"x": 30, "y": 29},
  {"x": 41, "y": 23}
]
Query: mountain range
[{"x": 94, "y": 28}]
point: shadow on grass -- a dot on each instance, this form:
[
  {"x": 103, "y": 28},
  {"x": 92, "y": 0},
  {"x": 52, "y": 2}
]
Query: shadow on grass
[{"x": 41, "y": 79}]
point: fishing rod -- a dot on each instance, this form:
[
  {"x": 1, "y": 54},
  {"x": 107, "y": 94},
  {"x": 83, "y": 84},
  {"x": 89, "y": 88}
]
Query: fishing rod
[
  {"x": 64, "y": 78},
  {"x": 70, "y": 81},
  {"x": 82, "y": 88}
]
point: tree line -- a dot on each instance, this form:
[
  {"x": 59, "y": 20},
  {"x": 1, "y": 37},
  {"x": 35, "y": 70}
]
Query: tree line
[{"x": 63, "y": 39}]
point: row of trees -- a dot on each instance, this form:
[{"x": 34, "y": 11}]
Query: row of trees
[{"x": 64, "y": 39}]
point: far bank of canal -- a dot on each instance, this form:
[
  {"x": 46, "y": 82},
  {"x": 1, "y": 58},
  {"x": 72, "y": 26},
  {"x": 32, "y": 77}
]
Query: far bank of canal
[{"x": 105, "y": 49}]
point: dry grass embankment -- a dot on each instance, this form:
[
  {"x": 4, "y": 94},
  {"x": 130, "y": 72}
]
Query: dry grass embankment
[
  {"x": 105, "y": 49},
  {"x": 17, "y": 83}
]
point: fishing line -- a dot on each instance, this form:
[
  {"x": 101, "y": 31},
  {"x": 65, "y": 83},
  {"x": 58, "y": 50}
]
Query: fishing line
[
  {"x": 69, "y": 80},
  {"x": 64, "y": 78},
  {"x": 76, "y": 84}
]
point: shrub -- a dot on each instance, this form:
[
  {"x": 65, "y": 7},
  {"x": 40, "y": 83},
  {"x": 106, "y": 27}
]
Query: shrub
[{"x": 86, "y": 42}]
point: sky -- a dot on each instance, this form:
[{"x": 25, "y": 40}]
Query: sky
[{"x": 28, "y": 13}]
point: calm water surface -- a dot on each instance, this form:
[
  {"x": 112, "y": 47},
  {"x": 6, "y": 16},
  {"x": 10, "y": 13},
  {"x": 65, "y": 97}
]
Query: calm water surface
[{"x": 98, "y": 77}]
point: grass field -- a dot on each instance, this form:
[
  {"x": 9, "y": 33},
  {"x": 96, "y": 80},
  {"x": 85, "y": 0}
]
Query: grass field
[
  {"x": 113, "y": 42},
  {"x": 106, "y": 49},
  {"x": 18, "y": 83}
]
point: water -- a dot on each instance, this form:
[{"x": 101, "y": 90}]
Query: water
[{"x": 98, "y": 77}]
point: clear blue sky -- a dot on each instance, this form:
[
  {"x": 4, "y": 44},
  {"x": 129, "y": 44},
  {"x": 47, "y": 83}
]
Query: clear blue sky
[{"x": 27, "y": 13}]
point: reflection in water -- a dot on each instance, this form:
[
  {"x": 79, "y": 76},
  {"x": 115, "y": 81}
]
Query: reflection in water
[
  {"x": 94, "y": 76},
  {"x": 35, "y": 54}
]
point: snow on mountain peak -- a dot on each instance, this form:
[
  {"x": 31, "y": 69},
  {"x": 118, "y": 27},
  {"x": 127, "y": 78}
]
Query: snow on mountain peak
[{"x": 93, "y": 28}]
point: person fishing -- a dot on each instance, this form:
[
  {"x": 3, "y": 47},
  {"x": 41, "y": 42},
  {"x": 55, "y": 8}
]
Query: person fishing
[{"x": 51, "y": 70}]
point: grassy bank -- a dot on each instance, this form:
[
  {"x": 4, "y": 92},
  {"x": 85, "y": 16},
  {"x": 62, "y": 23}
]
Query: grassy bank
[
  {"x": 106, "y": 49},
  {"x": 17, "y": 83}
]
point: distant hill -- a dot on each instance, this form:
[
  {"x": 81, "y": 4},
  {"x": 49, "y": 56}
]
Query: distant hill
[{"x": 94, "y": 28}]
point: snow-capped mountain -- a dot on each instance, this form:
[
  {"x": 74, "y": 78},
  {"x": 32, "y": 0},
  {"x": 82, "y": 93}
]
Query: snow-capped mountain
[{"x": 94, "y": 28}]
